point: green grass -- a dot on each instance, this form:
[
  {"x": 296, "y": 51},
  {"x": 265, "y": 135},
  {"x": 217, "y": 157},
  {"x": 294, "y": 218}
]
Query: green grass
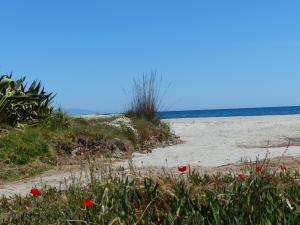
[
  {"x": 44, "y": 144},
  {"x": 21, "y": 147},
  {"x": 191, "y": 198},
  {"x": 151, "y": 130}
]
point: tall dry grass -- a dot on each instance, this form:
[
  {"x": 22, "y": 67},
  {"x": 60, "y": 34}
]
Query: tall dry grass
[{"x": 146, "y": 97}]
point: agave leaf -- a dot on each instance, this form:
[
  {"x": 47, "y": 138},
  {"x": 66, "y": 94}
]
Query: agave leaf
[{"x": 18, "y": 105}]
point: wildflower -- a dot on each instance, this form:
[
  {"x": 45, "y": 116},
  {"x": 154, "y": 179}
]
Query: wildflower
[
  {"x": 283, "y": 168},
  {"x": 35, "y": 192},
  {"x": 182, "y": 168},
  {"x": 87, "y": 202},
  {"x": 258, "y": 169}
]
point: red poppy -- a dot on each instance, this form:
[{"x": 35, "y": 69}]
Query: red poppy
[
  {"x": 258, "y": 169},
  {"x": 182, "y": 168},
  {"x": 283, "y": 168},
  {"x": 87, "y": 202},
  {"x": 35, "y": 192}
]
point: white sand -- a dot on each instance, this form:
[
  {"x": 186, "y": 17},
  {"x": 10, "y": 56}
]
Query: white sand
[{"x": 217, "y": 141}]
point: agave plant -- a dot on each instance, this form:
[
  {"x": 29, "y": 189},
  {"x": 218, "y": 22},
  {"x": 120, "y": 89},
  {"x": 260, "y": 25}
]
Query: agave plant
[{"x": 21, "y": 105}]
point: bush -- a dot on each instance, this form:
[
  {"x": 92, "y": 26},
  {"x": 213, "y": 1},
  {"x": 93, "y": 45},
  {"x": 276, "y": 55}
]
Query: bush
[
  {"x": 145, "y": 100},
  {"x": 57, "y": 120},
  {"x": 154, "y": 131},
  {"x": 21, "y": 105}
]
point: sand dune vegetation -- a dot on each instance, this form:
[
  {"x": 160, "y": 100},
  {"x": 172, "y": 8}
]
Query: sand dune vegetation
[
  {"x": 35, "y": 137},
  {"x": 146, "y": 97}
]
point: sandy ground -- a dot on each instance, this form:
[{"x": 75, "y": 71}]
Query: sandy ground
[
  {"x": 212, "y": 142},
  {"x": 215, "y": 144},
  {"x": 55, "y": 178}
]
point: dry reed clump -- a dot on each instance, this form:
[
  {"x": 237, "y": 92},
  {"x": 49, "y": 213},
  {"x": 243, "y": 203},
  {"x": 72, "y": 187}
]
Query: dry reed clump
[{"x": 146, "y": 98}]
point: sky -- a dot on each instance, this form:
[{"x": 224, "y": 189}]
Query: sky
[{"x": 214, "y": 54}]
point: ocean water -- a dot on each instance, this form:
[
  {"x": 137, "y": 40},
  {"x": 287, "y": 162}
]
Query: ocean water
[{"x": 291, "y": 110}]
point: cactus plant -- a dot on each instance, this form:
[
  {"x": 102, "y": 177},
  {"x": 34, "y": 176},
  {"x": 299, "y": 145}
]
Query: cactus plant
[{"x": 20, "y": 105}]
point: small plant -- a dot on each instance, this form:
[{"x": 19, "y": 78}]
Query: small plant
[
  {"x": 146, "y": 98},
  {"x": 57, "y": 120},
  {"x": 19, "y": 104},
  {"x": 152, "y": 133}
]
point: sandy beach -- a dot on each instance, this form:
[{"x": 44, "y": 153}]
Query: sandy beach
[{"x": 210, "y": 142}]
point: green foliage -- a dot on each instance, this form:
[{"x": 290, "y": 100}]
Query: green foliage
[
  {"x": 152, "y": 130},
  {"x": 266, "y": 198},
  {"x": 165, "y": 131},
  {"x": 22, "y": 146},
  {"x": 21, "y": 105},
  {"x": 57, "y": 120},
  {"x": 57, "y": 137}
]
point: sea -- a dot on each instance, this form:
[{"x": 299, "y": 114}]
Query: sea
[{"x": 264, "y": 111}]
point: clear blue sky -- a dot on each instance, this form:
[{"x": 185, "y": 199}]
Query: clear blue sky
[{"x": 215, "y": 54}]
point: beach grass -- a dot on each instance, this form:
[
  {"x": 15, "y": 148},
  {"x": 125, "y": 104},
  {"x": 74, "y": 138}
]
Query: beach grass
[{"x": 146, "y": 97}]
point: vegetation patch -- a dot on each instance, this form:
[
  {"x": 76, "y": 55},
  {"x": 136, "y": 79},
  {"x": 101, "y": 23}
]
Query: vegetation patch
[
  {"x": 61, "y": 139},
  {"x": 19, "y": 105},
  {"x": 259, "y": 196},
  {"x": 146, "y": 97},
  {"x": 32, "y": 133}
]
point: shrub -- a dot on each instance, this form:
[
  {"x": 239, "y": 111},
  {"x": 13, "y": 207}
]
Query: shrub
[
  {"x": 57, "y": 120},
  {"x": 19, "y": 104},
  {"x": 145, "y": 100},
  {"x": 154, "y": 131}
]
